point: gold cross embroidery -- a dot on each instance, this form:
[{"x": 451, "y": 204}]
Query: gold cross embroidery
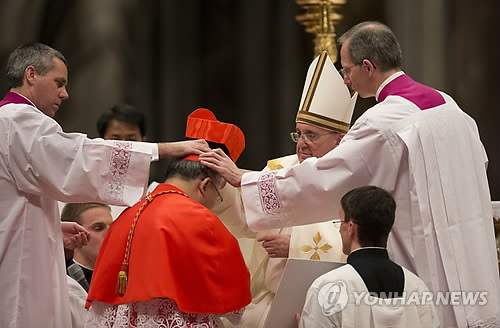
[{"x": 316, "y": 239}]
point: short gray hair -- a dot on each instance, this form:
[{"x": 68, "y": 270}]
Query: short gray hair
[
  {"x": 38, "y": 55},
  {"x": 373, "y": 41}
]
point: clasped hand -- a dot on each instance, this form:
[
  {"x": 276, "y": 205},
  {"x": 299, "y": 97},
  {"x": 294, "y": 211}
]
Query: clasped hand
[
  {"x": 277, "y": 245},
  {"x": 74, "y": 235}
]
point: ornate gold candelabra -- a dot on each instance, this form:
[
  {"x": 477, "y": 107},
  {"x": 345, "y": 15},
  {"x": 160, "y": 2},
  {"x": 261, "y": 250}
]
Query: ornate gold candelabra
[{"x": 320, "y": 19}]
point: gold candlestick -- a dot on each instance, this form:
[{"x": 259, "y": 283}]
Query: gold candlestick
[{"x": 320, "y": 19}]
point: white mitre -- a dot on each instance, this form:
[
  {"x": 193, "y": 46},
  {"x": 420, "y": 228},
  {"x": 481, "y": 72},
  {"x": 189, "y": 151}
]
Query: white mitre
[{"x": 326, "y": 101}]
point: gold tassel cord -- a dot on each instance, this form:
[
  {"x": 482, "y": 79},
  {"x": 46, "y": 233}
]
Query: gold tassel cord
[{"x": 121, "y": 284}]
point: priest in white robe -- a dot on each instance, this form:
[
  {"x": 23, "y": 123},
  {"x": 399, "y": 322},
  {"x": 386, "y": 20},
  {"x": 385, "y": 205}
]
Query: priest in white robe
[
  {"x": 322, "y": 120},
  {"x": 370, "y": 290},
  {"x": 40, "y": 164},
  {"x": 421, "y": 147}
]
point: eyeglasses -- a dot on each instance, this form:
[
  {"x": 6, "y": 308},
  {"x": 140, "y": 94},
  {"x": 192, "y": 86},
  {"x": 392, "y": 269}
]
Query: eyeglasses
[
  {"x": 337, "y": 223},
  {"x": 219, "y": 197},
  {"x": 347, "y": 70},
  {"x": 308, "y": 137}
]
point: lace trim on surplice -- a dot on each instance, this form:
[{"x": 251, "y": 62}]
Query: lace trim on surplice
[
  {"x": 154, "y": 313},
  {"x": 268, "y": 193},
  {"x": 118, "y": 168}
]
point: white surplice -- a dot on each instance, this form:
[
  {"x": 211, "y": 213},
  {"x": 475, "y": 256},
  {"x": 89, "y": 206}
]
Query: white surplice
[
  {"x": 317, "y": 241},
  {"x": 357, "y": 309},
  {"x": 77, "y": 299},
  {"x": 39, "y": 165},
  {"x": 433, "y": 162}
]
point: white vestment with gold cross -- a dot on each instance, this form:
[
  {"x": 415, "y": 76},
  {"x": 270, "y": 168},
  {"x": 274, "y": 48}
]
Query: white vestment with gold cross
[{"x": 319, "y": 241}]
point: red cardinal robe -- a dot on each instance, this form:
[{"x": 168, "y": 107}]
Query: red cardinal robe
[{"x": 180, "y": 250}]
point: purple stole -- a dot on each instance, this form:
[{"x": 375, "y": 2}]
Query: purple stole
[
  {"x": 422, "y": 96},
  {"x": 14, "y": 98}
]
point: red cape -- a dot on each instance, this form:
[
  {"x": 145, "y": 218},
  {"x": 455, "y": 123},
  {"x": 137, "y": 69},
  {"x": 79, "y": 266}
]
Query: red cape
[{"x": 180, "y": 250}]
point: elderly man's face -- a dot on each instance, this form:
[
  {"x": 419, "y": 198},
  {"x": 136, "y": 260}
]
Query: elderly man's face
[
  {"x": 49, "y": 90},
  {"x": 325, "y": 141}
]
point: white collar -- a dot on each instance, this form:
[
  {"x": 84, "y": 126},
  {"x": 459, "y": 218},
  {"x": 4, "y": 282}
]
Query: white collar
[
  {"x": 387, "y": 81},
  {"x": 83, "y": 266},
  {"x": 371, "y": 247}
]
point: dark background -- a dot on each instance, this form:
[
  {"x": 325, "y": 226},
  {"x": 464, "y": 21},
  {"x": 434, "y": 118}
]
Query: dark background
[{"x": 246, "y": 60}]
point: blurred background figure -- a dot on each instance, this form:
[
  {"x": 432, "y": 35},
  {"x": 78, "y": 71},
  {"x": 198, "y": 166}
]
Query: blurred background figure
[
  {"x": 96, "y": 219},
  {"x": 123, "y": 122}
]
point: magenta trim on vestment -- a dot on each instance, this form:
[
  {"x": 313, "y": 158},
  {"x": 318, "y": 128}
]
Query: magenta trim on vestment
[
  {"x": 14, "y": 98},
  {"x": 422, "y": 96}
]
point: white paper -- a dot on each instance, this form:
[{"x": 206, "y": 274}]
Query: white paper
[{"x": 290, "y": 297}]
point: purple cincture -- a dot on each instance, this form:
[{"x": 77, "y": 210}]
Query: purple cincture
[
  {"x": 422, "y": 96},
  {"x": 14, "y": 98}
]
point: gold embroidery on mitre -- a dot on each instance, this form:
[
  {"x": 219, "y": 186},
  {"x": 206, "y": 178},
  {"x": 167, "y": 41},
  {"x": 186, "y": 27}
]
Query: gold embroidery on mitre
[
  {"x": 314, "y": 81},
  {"x": 317, "y": 240},
  {"x": 322, "y": 121}
]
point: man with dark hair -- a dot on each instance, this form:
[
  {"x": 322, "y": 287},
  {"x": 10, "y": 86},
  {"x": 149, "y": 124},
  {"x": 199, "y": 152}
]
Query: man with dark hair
[
  {"x": 374, "y": 210},
  {"x": 40, "y": 164},
  {"x": 409, "y": 144},
  {"x": 366, "y": 219},
  {"x": 122, "y": 122},
  {"x": 169, "y": 259}
]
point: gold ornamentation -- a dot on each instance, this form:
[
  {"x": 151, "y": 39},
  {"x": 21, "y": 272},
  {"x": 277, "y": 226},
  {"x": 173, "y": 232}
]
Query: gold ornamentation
[
  {"x": 320, "y": 19},
  {"x": 317, "y": 240},
  {"x": 274, "y": 164}
]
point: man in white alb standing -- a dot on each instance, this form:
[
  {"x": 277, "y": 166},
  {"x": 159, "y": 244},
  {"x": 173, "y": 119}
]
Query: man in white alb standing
[
  {"x": 410, "y": 144},
  {"x": 40, "y": 164}
]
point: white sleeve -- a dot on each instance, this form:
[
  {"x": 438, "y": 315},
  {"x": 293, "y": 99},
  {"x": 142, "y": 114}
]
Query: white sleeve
[
  {"x": 231, "y": 212},
  {"x": 72, "y": 168},
  {"x": 235, "y": 316},
  {"x": 311, "y": 191},
  {"x": 77, "y": 299}
]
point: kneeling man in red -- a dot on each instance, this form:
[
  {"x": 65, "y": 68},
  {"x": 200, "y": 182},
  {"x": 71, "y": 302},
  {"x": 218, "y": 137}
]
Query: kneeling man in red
[{"x": 169, "y": 260}]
